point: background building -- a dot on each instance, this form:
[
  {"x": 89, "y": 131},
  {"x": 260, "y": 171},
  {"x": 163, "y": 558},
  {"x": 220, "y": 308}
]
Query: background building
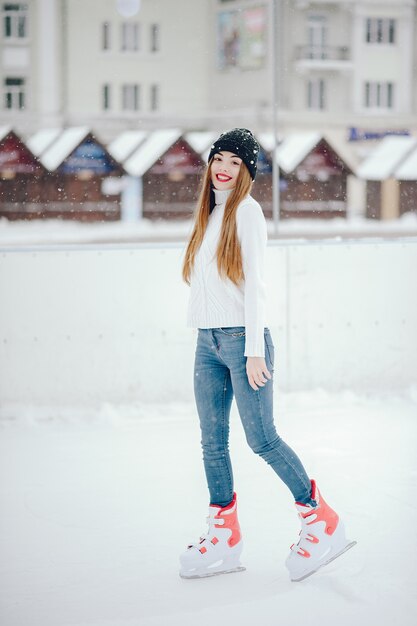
[{"x": 341, "y": 64}]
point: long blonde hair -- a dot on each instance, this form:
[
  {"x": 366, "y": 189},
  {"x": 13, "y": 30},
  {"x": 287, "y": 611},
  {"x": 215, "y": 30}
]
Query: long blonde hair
[{"x": 229, "y": 257}]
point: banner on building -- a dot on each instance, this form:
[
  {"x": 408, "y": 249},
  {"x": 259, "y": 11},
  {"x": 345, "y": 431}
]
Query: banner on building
[{"x": 242, "y": 38}]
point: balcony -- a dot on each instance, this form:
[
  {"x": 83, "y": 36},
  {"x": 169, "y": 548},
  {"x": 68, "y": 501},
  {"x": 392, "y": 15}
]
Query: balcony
[{"x": 323, "y": 57}]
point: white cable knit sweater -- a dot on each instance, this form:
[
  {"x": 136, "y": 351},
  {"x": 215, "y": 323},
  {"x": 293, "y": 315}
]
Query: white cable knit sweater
[{"x": 216, "y": 302}]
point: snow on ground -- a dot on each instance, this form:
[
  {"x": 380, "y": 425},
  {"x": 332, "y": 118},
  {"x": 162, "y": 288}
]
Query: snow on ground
[
  {"x": 53, "y": 231},
  {"x": 97, "y": 507}
]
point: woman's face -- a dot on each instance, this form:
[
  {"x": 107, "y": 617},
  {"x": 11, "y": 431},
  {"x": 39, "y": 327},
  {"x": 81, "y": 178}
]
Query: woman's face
[{"x": 225, "y": 169}]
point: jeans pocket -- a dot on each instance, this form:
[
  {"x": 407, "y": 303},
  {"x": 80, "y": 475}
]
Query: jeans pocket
[{"x": 234, "y": 331}]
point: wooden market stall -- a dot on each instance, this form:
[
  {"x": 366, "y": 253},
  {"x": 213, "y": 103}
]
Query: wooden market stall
[
  {"x": 381, "y": 173},
  {"x": 313, "y": 177},
  {"x": 78, "y": 166},
  {"x": 21, "y": 176},
  {"x": 406, "y": 175},
  {"x": 169, "y": 169}
]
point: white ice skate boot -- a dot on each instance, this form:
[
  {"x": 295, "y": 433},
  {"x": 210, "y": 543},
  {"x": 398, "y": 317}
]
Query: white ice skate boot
[
  {"x": 322, "y": 538},
  {"x": 217, "y": 552}
]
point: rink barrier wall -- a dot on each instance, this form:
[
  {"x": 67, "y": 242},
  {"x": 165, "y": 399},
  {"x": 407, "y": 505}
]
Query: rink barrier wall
[{"x": 93, "y": 324}]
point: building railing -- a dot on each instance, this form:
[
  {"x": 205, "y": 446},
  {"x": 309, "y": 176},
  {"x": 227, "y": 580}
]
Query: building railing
[{"x": 322, "y": 53}]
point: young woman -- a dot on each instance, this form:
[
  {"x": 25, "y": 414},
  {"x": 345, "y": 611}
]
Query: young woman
[{"x": 224, "y": 265}]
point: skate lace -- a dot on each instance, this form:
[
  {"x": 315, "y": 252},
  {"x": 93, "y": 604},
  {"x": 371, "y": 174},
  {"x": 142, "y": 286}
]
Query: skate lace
[{"x": 211, "y": 521}]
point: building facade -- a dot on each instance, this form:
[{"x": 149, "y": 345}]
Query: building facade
[
  {"x": 339, "y": 62},
  {"x": 348, "y": 65}
]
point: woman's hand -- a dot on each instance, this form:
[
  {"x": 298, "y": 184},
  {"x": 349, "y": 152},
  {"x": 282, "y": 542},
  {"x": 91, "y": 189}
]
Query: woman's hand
[{"x": 256, "y": 370}]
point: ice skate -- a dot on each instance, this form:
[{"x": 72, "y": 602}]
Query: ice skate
[
  {"x": 322, "y": 538},
  {"x": 217, "y": 552}
]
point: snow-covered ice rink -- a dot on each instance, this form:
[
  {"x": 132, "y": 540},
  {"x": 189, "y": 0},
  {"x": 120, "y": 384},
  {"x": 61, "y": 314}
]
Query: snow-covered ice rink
[{"x": 97, "y": 507}]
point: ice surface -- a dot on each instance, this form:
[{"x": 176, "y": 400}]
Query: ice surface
[{"x": 97, "y": 507}]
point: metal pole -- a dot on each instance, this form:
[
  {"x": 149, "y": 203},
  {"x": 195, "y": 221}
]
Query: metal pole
[{"x": 275, "y": 66}]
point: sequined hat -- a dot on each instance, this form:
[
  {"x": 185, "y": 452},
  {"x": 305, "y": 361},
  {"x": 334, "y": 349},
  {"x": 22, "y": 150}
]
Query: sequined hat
[{"x": 241, "y": 142}]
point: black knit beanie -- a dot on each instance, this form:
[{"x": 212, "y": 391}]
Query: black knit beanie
[{"x": 241, "y": 142}]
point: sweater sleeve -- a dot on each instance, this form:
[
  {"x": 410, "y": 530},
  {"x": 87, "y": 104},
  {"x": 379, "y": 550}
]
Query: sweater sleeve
[{"x": 252, "y": 234}]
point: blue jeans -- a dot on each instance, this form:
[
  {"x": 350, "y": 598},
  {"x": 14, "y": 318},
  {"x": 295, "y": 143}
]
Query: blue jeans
[{"x": 220, "y": 374}]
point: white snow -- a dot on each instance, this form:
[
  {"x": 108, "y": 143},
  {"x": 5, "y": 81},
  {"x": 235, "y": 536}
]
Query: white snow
[
  {"x": 297, "y": 145},
  {"x": 55, "y": 231},
  {"x": 98, "y": 502},
  {"x": 266, "y": 141},
  {"x": 42, "y": 140},
  {"x": 97, "y": 507},
  {"x": 4, "y": 131},
  {"x": 63, "y": 146},
  {"x": 125, "y": 143},
  {"x": 408, "y": 169},
  {"x": 150, "y": 150},
  {"x": 386, "y": 158},
  {"x": 346, "y": 150},
  {"x": 201, "y": 141},
  {"x": 294, "y": 148}
]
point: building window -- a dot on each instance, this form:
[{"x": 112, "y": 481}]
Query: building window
[
  {"x": 15, "y": 20},
  {"x": 130, "y": 97},
  {"x": 380, "y": 30},
  {"x": 106, "y": 95},
  {"x": 379, "y": 95},
  {"x": 130, "y": 36},
  {"x": 14, "y": 93},
  {"x": 316, "y": 96},
  {"x": 105, "y": 36},
  {"x": 154, "y": 97},
  {"x": 317, "y": 36},
  {"x": 155, "y": 42}
]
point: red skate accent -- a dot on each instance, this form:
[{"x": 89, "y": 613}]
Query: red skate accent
[
  {"x": 313, "y": 539},
  {"x": 230, "y": 521},
  {"x": 304, "y": 553},
  {"x": 228, "y": 506},
  {"x": 214, "y": 541},
  {"x": 322, "y": 511},
  {"x": 203, "y": 550}
]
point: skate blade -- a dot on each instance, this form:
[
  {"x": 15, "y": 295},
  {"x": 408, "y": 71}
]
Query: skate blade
[
  {"x": 208, "y": 574},
  {"x": 332, "y": 558}
]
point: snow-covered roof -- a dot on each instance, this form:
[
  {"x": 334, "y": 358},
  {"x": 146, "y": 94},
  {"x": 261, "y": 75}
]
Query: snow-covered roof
[
  {"x": 63, "y": 146},
  {"x": 408, "y": 169},
  {"x": 150, "y": 150},
  {"x": 42, "y": 140},
  {"x": 386, "y": 158},
  {"x": 201, "y": 141},
  {"x": 267, "y": 141},
  {"x": 344, "y": 149},
  {"x": 4, "y": 131},
  {"x": 294, "y": 148},
  {"x": 125, "y": 144}
]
